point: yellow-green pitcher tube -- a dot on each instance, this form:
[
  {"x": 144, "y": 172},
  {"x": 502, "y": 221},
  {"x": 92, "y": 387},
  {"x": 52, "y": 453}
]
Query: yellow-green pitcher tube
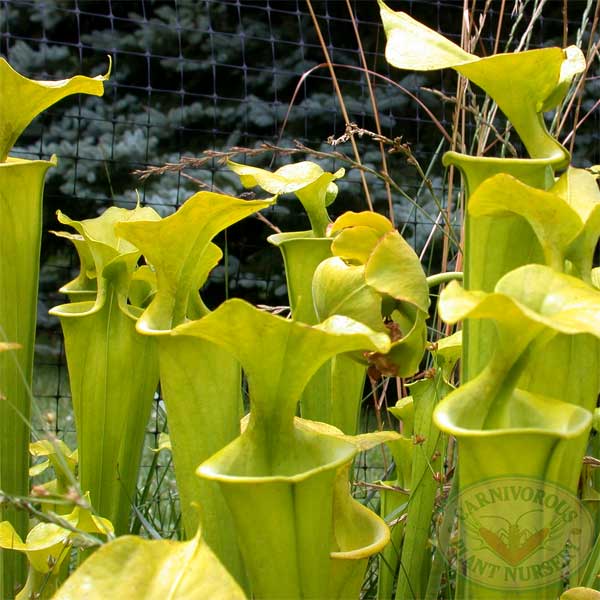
[
  {"x": 335, "y": 392},
  {"x": 21, "y": 191},
  {"x": 493, "y": 247},
  {"x": 201, "y": 386},
  {"x": 283, "y": 521},
  {"x": 523, "y": 453},
  {"x": 113, "y": 372}
]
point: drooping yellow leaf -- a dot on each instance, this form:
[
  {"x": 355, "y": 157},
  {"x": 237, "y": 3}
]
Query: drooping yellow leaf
[
  {"x": 131, "y": 567},
  {"x": 22, "y": 99}
]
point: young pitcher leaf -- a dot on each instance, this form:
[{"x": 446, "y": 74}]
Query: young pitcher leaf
[
  {"x": 175, "y": 246},
  {"x": 404, "y": 410},
  {"x": 448, "y": 352},
  {"x": 47, "y": 544},
  {"x": 58, "y": 454},
  {"x": 312, "y": 185},
  {"x": 377, "y": 278}
]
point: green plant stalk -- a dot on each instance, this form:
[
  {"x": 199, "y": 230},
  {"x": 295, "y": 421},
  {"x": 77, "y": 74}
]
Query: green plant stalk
[
  {"x": 394, "y": 504},
  {"x": 416, "y": 551},
  {"x": 595, "y": 480},
  {"x": 443, "y": 541},
  {"x": 334, "y": 393},
  {"x": 21, "y": 190},
  {"x": 201, "y": 387},
  {"x": 589, "y": 577},
  {"x": 278, "y": 477}
]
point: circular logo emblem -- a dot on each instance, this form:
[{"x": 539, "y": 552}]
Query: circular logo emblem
[{"x": 516, "y": 533}]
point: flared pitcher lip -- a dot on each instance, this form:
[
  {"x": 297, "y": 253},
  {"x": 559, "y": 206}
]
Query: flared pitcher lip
[
  {"x": 206, "y": 472},
  {"x": 449, "y": 155},
  {"x": 69, "y": 310},
  {"x": 86, "y": 308},
  {"x": 383, "y": 538},
  {"x": 583, "y": 421},
  {"x": 67, "y": 291},
  {"x": 13, "y": 161},
  {"x": 277, "y": 239},
  {"x": 142, "y": 326}
]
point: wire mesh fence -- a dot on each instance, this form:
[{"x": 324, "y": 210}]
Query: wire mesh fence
[{"x": 188, "y": 76}]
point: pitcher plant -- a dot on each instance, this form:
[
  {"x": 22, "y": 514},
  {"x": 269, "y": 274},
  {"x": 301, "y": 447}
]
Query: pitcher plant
[
  {"x": 200, "y": 381},
  {"x": 277, "y": 477},
  {"x": 334, "y": 394},
  {"x": 22, "y": 187},
  {"x": 113, "y": 370}
]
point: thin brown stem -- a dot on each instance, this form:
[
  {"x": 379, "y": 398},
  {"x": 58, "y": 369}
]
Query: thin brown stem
[
  {"x": 340, "y": 97},
  {"x": 499, "y": 26},
  {"x": 371, "y": 73},
  {"x": 363, "y": 60}
]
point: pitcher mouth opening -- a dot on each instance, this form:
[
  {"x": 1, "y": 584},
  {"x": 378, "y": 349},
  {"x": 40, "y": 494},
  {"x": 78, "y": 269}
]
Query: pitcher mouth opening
[
  {"x": 530, "y": 414},
  {"x": 15, "y": 160},
  {"x": 309, "y": 453},
  {"x": 371, "y": 532}
]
